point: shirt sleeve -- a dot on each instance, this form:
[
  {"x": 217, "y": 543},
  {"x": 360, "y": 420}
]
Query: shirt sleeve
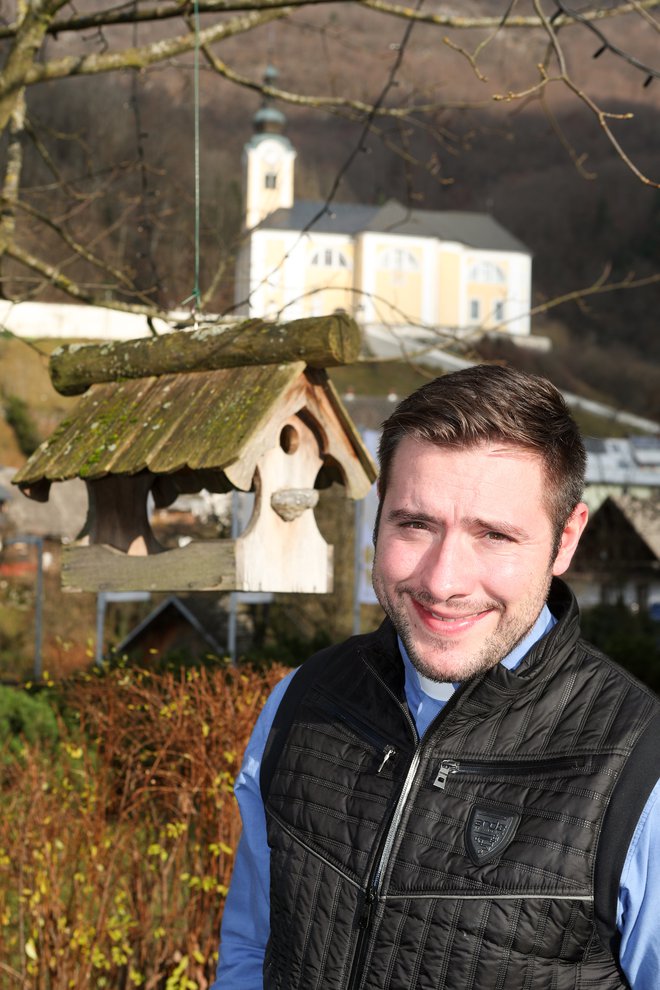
[
  {"x": 638, "y": 918},
  {"x": 246, "y": 917}
]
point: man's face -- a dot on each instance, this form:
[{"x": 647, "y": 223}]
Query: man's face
[{"x": 464, "y": 553}]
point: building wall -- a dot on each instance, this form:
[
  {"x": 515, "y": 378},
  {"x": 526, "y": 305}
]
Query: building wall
[
  {"x": 389, "y": 279},
  {"x": 329, "y": 273},
  {"x": 449, "y": 277},
  {"x": 268, "y": 168},
  {"x": 69, "y": 321}
]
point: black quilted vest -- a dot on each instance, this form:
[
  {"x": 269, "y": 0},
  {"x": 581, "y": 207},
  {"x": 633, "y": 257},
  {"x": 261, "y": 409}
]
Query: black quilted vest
[{"x": 466, "y": 861}]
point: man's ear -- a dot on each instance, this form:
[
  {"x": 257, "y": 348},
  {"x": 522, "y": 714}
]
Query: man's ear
[{"x": 570, "y": 538}]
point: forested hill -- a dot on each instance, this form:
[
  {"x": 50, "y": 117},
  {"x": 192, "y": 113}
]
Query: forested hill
[{"x": 542, "y": 165}]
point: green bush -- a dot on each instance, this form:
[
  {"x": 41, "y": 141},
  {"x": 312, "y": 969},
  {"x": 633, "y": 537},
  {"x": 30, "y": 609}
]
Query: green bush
[
  {"x": 632, "y": 639},
  {"x": 25, "y": 718},
  {"x": 18, "y": 416}
]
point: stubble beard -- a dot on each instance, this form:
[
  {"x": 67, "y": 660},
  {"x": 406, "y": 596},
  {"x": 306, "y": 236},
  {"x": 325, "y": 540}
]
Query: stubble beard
[{"x": 511, "y": 630}]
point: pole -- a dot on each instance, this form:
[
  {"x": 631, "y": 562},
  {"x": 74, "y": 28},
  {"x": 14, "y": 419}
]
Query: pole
[
  {"x": 38, "y": 609},
  {"x": 100, "y": 627},
  {"x": 357, "y": 567},
  {"x": 233, "y": 597},
  {"x": 37, "y": 542}
]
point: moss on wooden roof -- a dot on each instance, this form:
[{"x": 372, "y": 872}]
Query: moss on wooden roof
[{"x": 164, "y": 424}]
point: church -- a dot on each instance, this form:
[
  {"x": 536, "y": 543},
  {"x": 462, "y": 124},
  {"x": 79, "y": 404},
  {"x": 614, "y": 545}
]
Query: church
[{"x": 388, "y": 266}]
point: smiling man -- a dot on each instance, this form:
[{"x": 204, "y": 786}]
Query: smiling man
[
  {"x": 468, "y": 797},
  {"x": 466, "y": 552}
]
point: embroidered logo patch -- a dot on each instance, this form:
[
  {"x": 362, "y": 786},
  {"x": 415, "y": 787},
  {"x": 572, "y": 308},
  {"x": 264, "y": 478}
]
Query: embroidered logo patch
[{"x": 488, "y": 832}]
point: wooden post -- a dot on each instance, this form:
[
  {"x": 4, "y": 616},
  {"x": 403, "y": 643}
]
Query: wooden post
[{"x": 318, "y": 341}]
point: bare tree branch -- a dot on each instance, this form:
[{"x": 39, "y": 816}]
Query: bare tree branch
[
  {"x": 55, "y": 277},
  {"x": 603, "y": 117},
  {"x": 80, "y": 250},
  {"x": 600, "y": 287},
  {"x": 127, "y": 14},
  {"x": 331, "y": 103},
  {"x": 606, "y": 44},
  {"x": 131, "y": 58},
  {"x": 488, "y": 23}
]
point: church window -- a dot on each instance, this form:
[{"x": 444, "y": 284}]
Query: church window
[
  {"x": 271, "y": 180},
  {"x": 329, "y": 258},
  {"x": 486, "y": 273},
  {"x": 475, "y": 309},
  {"x": 499, "y": 310},
  {"x": 398, "y": 260}
]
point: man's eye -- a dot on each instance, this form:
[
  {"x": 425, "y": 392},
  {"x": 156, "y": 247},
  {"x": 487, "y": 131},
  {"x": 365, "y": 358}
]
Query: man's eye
[
  {"x": 496, "y": 537},
  {"x": 413, "y": 524}
]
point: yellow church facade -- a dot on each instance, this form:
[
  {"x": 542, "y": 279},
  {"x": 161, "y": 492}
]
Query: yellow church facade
[{"x": 388, "y": 266}]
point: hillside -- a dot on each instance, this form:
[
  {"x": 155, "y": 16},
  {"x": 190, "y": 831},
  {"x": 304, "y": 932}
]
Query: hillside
[{"x": 542, "y": 166}]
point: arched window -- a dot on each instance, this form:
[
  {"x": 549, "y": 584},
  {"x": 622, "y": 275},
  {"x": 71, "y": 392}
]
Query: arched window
[
  {"x": 397, "y": 260},
  {"x": 329, "y": 258},
  {"x": 487, "y": 273}
]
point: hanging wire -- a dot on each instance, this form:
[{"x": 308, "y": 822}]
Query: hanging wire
[{"x": 195, "y": 298}]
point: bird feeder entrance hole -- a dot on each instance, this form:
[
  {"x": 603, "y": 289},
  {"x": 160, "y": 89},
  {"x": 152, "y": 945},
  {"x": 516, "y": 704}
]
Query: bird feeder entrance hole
[{"x": 281, "y": 549}]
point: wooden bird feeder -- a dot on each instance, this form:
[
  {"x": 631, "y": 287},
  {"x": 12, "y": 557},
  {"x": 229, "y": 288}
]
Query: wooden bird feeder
[{"x": 248, "y": 407}]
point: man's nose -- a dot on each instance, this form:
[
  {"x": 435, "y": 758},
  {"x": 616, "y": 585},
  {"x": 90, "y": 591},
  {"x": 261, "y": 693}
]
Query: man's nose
[{"x": 447, "y": 568}]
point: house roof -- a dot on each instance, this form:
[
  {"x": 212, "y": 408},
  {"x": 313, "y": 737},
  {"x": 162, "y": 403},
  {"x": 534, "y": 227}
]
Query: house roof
[
  {"x": 187, "y": 609},
  {"x": 63, "y": 516},
  {"x": 340, "y": 218},
  {"x": 477, "y": 230},
  {"x": 643, "y": 514},
  {"x": 623, "y": 461}
]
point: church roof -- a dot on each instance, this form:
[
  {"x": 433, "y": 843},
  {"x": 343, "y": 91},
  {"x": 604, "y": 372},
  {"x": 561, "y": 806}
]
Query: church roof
[
  {"x": 477, "y": 230},
  {"x": 340, "y": 218}
]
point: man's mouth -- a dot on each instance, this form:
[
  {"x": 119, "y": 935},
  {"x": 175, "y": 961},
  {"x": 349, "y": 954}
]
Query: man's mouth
[{"x": 449, "y": 621}]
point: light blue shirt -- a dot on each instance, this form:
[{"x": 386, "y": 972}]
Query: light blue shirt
[{"x": 246, "y": 919}]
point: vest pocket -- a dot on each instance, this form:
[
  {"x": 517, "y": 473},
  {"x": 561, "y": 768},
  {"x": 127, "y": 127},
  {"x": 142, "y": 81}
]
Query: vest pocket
[
  {"x": 524, "y": 769},
  {"x": 363, "y": 731}
]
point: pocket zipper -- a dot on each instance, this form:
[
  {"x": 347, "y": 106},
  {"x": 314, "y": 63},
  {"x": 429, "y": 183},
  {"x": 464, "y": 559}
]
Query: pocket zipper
[
  {"x": 560, "y": 765},
  {"x": 362, "y": 730}
]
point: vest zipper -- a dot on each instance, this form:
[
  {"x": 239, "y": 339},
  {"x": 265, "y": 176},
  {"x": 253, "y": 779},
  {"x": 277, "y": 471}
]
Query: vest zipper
[
  {"x": 372, "y": 893},
  {"x": 373, "y": 888},
  {"x": 507, "y": 767}
]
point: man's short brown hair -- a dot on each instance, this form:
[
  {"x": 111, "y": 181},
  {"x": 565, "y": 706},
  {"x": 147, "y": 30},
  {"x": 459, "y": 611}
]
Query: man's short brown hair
[{"x": 494, "y": 404}]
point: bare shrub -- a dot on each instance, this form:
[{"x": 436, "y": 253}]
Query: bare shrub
[{"x": 116, "y": 848}]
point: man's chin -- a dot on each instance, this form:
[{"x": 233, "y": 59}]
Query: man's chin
[
  {"x": 445, "y": 661},
  {"x": 442, "y": 670}
]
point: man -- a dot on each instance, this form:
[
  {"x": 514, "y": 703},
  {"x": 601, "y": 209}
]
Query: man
[{"x": 467, "y": 797}]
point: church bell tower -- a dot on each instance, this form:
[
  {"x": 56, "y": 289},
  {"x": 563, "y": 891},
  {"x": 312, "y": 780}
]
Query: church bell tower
[{"x": 268, "y": 162}]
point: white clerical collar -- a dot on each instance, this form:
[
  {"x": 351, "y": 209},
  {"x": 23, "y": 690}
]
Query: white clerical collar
[
  {"x": 440, "y": 690},
  {"x": 443, "y": 690}
]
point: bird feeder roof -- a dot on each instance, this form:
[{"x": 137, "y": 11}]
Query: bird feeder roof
[{"x": 215, "y": 421}]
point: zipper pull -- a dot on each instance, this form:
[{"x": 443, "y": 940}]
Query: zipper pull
[
  {"x": 446, "y": 767},
  {"x": 388, "y": 752},
  {"x": 365, "y": 914}
]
